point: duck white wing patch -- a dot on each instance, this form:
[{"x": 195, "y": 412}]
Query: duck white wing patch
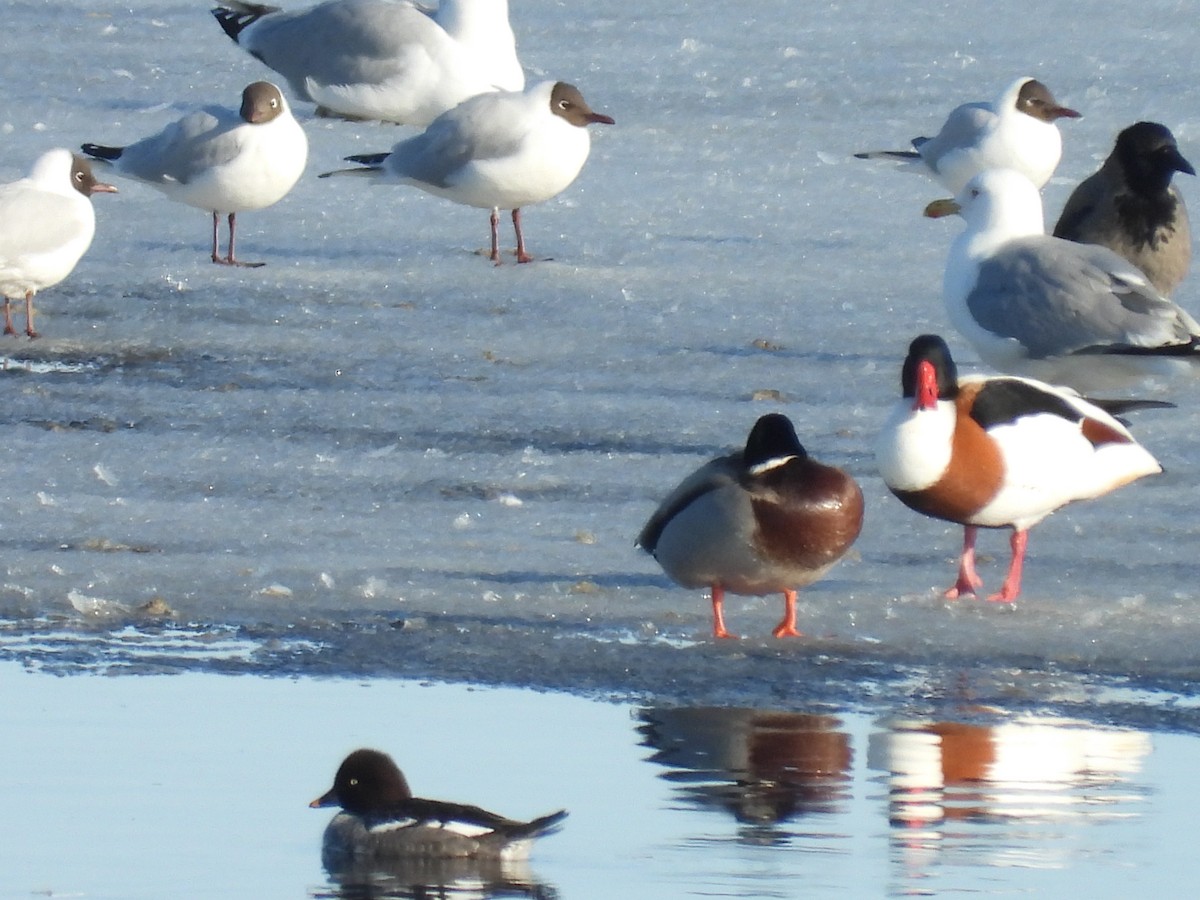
[{"x": 462, "y": 829}]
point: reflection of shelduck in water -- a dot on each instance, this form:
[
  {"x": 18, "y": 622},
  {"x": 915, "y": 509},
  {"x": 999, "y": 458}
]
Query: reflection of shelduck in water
[
  {"x": 765, "y": 519},
  {"x": 998, "y": 452},
  {"x": 1023, "y": 769}
]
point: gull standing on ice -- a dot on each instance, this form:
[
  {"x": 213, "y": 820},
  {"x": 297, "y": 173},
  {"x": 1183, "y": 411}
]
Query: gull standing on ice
[
  {"x": 502, "y": 150},
  {"x": 999, "y": 452},
  {"x": 766, "y": 519},
  {"x": 1016, "y": 131},
  {"x": 382, "y": 59},
  {"x": 1033, "y": 304},
  {"x": 1131, "y": 207},
  {"x": 46, "y": 225},
  {"x": 221, "y": 160}
]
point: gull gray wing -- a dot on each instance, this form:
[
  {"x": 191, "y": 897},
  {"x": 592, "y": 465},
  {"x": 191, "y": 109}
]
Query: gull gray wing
[
  {"x": 1056, "y": 297},
  {"x": 960, "y": 129},
  {"x": 356, "y": 42},
  {"x": 194, "y": 144},
  {"x": 475, "y": 130}
]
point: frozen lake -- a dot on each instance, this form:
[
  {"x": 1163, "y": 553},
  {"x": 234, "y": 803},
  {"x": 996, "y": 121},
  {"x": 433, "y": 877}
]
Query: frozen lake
[{"x": 378, "y": 457}]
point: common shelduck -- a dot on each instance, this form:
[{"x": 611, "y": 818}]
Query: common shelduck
[
  {"x": 46, "y": 225},
  {"x": 380, "y": 819},
  {"x": 998, "y": 452},
  {"x": 1131, "y": 207},
  {"x": 1036, "y": 305},
  {"x": 765, "y": 519},
  {"x": 1018, "y": 130}
]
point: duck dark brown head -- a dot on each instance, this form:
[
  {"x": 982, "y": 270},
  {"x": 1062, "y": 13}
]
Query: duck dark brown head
[{"x": 366, "y": 780}]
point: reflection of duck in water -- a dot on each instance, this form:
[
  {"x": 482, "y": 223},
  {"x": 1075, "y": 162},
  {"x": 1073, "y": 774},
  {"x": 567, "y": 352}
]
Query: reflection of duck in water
[
  {"x": 1030, "y": 767},
  {"x": 383, "y": 835},
  {"x": 463, "y": 878},
  {"x": 763, "y": 766}
]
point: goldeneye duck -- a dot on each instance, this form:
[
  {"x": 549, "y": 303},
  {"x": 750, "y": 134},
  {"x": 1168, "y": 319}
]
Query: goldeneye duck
[
  {"x": 765, "y": 519},
  {"x": 380, "y": 819}
]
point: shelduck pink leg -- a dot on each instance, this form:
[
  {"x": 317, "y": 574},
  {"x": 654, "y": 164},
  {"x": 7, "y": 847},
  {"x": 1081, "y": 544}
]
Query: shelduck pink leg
[
  {"x": 718, "y": 601},
  {"x": 787, "y": 628},
  {"x": 968, "y": 579},
  {"x": 1012, "y": 584}
]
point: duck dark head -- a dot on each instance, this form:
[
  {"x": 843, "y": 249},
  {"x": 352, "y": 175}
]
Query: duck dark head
[
  {"x": 366, "y": 780},
  {"x": 933, "y": 351},
  {"x": 772, "y": 440}
]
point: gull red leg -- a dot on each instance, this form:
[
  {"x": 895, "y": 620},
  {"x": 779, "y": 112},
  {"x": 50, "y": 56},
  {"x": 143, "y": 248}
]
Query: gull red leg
[
  {"x": 230, "y": 259},
  {"x": 787, "y": 627},
  {"x": 8, "y": 325},
  {"x": 1012, "y": 584},
  {"x": 522, "y": 256},
  {"x": 968, "y": 579},
  {"x": 495, "y": 235},
  {"x": 29, "y": 329},
  {"x": 216, "y": 257},
  {"x": 718, "y": 600}
]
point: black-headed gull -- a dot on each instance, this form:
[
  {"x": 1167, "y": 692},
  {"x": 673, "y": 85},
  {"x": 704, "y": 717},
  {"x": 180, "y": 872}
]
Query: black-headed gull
[
  {"x": 1015, "y": 131},
  {"x": 501, "y": 150},
  {"x": 1131, "y": 207},
  {"x": 382, "y": 59},
  {"x": 1033, "y": 304},
  {"x": 381, "y": 821},
  {"x": 46, "y": 225},
  {"x": 221, "y": 160},
  {"x": 766, "y": 519},
  {"x": 998, "y": 452}
]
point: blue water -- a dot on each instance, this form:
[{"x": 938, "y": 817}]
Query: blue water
[{"x": 196, "y": 785}]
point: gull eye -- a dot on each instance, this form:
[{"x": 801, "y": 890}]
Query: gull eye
[{"x": 353, "y": 782}]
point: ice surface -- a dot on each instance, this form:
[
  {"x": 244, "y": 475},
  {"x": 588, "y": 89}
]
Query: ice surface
[{"x": 378, "y": 454}]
